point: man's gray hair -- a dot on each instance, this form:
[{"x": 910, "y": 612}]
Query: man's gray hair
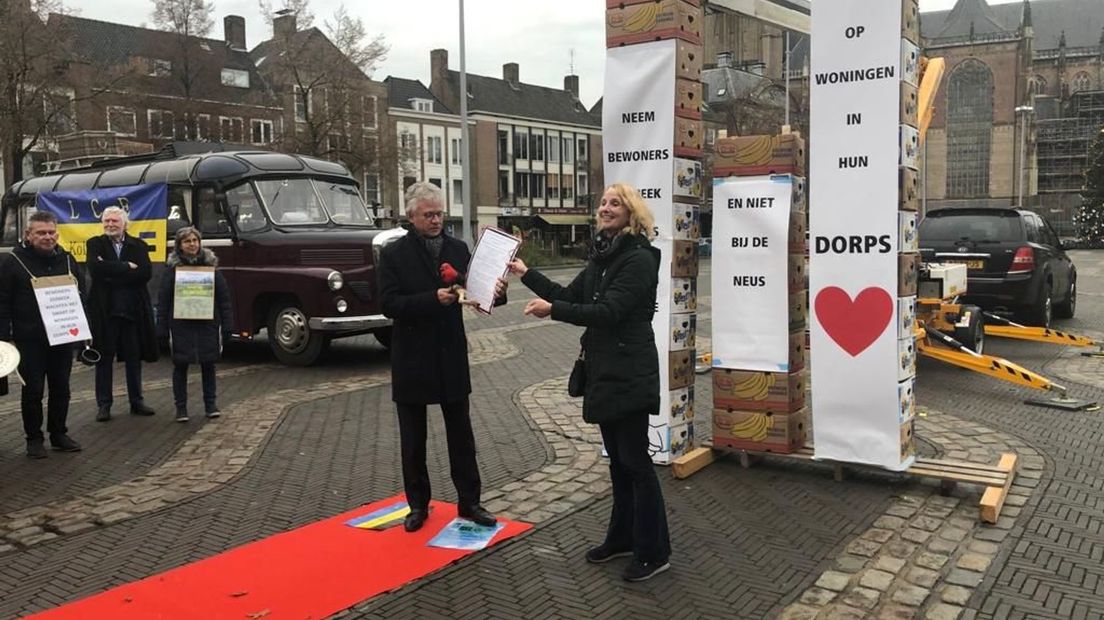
[
  {"x": 40, "y": 216},
  {"x": 423, "y": 192},
  {"x": 121, "y": 211}
]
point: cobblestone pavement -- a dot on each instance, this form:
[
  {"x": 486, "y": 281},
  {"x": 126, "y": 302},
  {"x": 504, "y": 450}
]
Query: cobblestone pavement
[{"x": 780, "y": 539}]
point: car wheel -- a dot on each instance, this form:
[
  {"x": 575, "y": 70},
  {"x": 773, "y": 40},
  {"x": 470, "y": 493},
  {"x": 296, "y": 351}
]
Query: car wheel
[
  {"x": 972, "y": 335},
  {"x": 1068, "y": 306},
  {"x": 383, "y": 336},
  {"x": 290, "y": 337},
  {"x": 1041, "y": 313}
]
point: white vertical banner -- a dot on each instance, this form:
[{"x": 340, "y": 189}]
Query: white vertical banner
[
  {"x": 751, "y": 231},
  {"x": 853, "y": 225},
  {"x": 638, "y": 124}
]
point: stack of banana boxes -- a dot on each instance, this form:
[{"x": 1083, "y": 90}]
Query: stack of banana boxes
[
  {"x": 632, "y": 22},
  {"x": 755, "y": 410},
  {"x": 907, "y": 238}
]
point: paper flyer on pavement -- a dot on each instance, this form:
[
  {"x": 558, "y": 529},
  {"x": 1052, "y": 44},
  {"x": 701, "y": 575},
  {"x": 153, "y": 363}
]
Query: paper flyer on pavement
[{"x": 465, "y": 535}]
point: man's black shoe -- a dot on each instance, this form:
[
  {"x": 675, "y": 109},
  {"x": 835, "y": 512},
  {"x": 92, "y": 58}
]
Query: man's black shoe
[
  {"x": 103, "y": 414},
  {"x": 477, "y": 514},
  {"x": 64, "y": 443},
  {"x": 141, "y": 409},
  {"x": 36, "y": 449},
  {"x": 415, "y": 520},
  {"x": 602, "y": 554},
  {"x": 643, "y": 571}
]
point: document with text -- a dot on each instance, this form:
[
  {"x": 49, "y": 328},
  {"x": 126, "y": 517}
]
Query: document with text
[{"x": 493, "y": 251}]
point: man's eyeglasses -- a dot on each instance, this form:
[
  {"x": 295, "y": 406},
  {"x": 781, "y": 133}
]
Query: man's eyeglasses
[{"x": 433, "y": 215}]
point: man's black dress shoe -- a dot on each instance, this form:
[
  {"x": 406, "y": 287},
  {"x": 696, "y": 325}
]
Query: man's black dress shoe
[
  {"x": 477, "y": 514},
  {"x": 415, "y": 520},
  {"x": 141, "y": 409}
]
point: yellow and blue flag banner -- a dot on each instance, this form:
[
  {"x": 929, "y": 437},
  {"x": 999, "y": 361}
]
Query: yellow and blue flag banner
[
  {"x": 79, "y": 213},
  {"x": 381, "y": 519}
]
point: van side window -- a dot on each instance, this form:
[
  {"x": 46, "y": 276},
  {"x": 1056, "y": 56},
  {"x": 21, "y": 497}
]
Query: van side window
[
  {"x": 179, "y": 208},
  {"x": 209, "y": 218},
  {"x": 243, "y": 203},
  {"x": 13, "y": 223}
]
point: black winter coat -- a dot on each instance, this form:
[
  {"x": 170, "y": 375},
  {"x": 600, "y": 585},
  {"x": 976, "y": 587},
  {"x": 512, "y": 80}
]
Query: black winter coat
[
  {"x": 109, "y": 271},
  {"x": 429, "y": 349},
  {"x": 614, "y": 298},
  {"x": 20, "y": 320},
  {"x": 194, "y": 341}
]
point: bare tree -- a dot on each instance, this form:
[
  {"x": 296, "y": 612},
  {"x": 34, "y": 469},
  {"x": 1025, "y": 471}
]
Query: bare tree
[
  {"x": 189, "y": 20},
  {"x": 300, "y": 8},
  {"x": 349, "y": 35}
]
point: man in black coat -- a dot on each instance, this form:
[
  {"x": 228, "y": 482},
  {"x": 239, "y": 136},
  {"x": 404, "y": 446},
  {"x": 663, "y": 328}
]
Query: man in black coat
[
  {"x": 120, "y": 311},
  {"x": 21, "y": 323},
  {"x": 429, "y": 353}
]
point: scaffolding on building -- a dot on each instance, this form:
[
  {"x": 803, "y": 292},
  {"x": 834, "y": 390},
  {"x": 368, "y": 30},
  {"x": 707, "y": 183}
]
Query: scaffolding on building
[{"x": 1062, "y": 147}]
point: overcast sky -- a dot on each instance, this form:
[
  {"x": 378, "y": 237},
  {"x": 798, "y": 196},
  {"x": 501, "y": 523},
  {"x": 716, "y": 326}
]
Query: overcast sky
[{"x": 539, "y": 35}]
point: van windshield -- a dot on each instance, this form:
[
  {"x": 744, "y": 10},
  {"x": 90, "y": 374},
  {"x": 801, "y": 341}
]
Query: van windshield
[{"x": 308, "y": 201}]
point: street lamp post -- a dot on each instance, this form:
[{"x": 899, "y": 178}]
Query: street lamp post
[
  {"x": 465, "y": 150},
  {"x": 1022, "y": 111}
]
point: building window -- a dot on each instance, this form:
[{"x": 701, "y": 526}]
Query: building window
[
  {"x": 582, "y": 149},
  {"x": 260, "y": 131},
  {"x": 566, "y": 188},
  {"x": 536, "y": 185},
  {"x": 337, "y": 143},
  {"x": 159, "y": 67},
  {"x": 121, "y": 120},
  {"x": 1081, "y": 82},
  {"x": 371, "y": 189},
  {"x": 436, "y": 182},
  {"x": 553, "y": 149},
  {"x": 969, "y": 129},
  {"x": 433, "y": 150},
  {"x": 521, "y": 184},
  {"x": 1038, "y": 85},
  {"x": 203, "y": 127},
  {"x": 456, "y": 154},
  {"x": 230, "y": 128},
  {"x": 568, "y": 150},
  {"x": 235, "y": 77},
  {"x": 369, "y": 104},
  {"x": 457, "y": 192},
  {"x": 302, "y": 101},
  {"x": 59, "y": 112},
  {"x": 536, "y": 142},
  {"x": 583, "y": 187},
  {"x": 521, "y": 145},
  {"x": 503, "y": 147},
  {"x": 422, "y": 105},
  {"x": 554, "y": 186},
  {"x": 407, "y": 182},
  {"x": 160, "y": 124},
  {"x": 504, "y": 186}
]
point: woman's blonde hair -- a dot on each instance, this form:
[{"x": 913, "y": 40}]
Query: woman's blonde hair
[{"x": 641, "y": 220}]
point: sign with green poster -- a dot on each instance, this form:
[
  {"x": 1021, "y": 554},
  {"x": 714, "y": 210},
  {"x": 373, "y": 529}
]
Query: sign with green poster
[{"x": 194, "y": 293}]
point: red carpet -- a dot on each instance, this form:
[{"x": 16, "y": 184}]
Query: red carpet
[{"x": 308, "y": 573}]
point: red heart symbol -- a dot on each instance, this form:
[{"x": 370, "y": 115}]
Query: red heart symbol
[
  {"x": 854, "y": 325},
  {"x": 74, "y": 331}
]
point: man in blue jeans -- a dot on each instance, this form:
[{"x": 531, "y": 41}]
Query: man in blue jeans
[{"x": 120, "y": 313}]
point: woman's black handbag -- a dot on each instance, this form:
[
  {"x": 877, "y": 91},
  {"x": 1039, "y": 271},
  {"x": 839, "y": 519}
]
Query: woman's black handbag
[{"x": 576, "y": 383}]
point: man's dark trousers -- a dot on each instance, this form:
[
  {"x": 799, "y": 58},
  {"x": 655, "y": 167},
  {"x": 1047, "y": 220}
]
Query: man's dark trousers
[
  {"x": 127, "y": 344},
  {"x": 461, "y": 449},
  {"x": 39, "y": 364}
]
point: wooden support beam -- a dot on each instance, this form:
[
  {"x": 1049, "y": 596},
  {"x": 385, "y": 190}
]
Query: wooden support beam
[
  {"x": 690, "y": 463},
  {"x": 993, "y": 499}
]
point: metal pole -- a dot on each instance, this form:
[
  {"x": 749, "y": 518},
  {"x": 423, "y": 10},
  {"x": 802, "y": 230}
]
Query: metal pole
[
  {"x": 786, "y": 76},
  {"x": 465, "y": 162},
  {"x": 1023, "y": 143}
]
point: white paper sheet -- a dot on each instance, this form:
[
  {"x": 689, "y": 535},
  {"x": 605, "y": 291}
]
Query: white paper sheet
[{"x": 494, "y": 250}]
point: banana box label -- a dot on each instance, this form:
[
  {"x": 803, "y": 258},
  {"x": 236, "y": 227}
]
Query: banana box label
[
  {"x": 909, "y": 103},
  {"x": 758, "y": 155},
  {"x": 685, "y": 260},
  {"x": 682, "y": 405},
  {"x": 760, "y": 430},
  {"x": 907, "y": 408},
  {"x": 906, "y": 317},
  {"x": 680, "y": 369},
  {"x": 908, "y": 270},
  {"x": 688, "y": 99},
  {"x": 688, "y": 178},
  {"x": 910, "y": 147},
  {"x": 799, "y": 202},
  {"x": 909, "y": 182},
  {"x": 687, "y": 222},
  {"x": 907, "y": 238},
  {"x": 799, "y": 310},
  {"x": 758, "y": 391},
  {"x": 906, "y": 359},
  {"x": 683, "y": 330},
  {"x": 684, "y": 294},
  {"x": 666, "y": 442},
  {"x": 652, "y": 21},
  {"x": 910, "y": 62}
]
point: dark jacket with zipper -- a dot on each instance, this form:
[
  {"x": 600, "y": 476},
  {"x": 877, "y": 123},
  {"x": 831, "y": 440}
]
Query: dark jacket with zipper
[
  {"x": 429, "y": 348},
  {"x": 614, "y": 298},
  {"x": 194, "y": 341},
  {"x": 116, "y": 287},
  {"x": 20, "y": 320}
]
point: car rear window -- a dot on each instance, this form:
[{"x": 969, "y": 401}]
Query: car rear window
[{"x": 971, "y": 227}]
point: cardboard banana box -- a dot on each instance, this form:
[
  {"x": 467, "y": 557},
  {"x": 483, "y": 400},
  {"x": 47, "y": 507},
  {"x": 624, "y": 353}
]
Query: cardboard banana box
[
  {"x": 906, "y": 317},
  {"x": 627, "y": 24},
  {"x": 758, "y": 155},
  {"x": 682, "y": 406},
  {"x": 688, "y": 178},
  {"x": 688, "y": 99},
  {"x": 910, "y": 147},
  {"x": 686, "y": 221},
  {"x": 666, "y": 443},
  {"x": 688, "y": 60},
  {"x": 907, "y": 238},
  {"x": 684, "y": 263},
  {"x": 910, "y": 62},
  {"x": 680, "y": 369},
  {"x": 908, "y": 441},
  {"x": 798, "y": 311},
  {"x": 799, "y": 230},
  {"x": 753, "y": 390},
  {"x": 684, "y": 295},
  {"x": 910, "y": 20},
  {"x": 760, "y": 431},
  {"x": 615, "y": 4},
  {"x": 909, "y": 189},
  {"x": 908, "y": 272},
  {"x": 684, "y": 328},
  {"x": 906, "y": 359},
  {"x": 688, "y": 137},
  {"x": 909, "y": 103},
  {"x": 798, "y": 272}
]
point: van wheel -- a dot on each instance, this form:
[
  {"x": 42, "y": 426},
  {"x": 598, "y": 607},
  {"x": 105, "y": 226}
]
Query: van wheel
[
  {"x": 383, "y": 336},
  {"x": 972, "y": 336},
  {"x": 290, "y": 336},
  {"x": 1040, "y": 314}
]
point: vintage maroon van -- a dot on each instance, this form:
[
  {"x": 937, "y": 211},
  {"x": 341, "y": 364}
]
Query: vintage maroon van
[{"x": 295, "y": 241}]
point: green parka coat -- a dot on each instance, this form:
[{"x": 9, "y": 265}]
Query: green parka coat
[{"x": 614, "y": 297}]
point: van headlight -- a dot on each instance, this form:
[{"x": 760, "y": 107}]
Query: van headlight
[{"x": 335, "y": 280}]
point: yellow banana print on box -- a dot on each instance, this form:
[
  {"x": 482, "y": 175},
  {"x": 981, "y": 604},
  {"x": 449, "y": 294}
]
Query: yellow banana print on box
[
  {"x": 755, "y": 427},
  {"x": 755, "y": 387}
]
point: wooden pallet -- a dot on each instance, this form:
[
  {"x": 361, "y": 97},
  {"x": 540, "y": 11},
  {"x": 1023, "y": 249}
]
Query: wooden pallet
[{"x": 995, "y": 478}]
